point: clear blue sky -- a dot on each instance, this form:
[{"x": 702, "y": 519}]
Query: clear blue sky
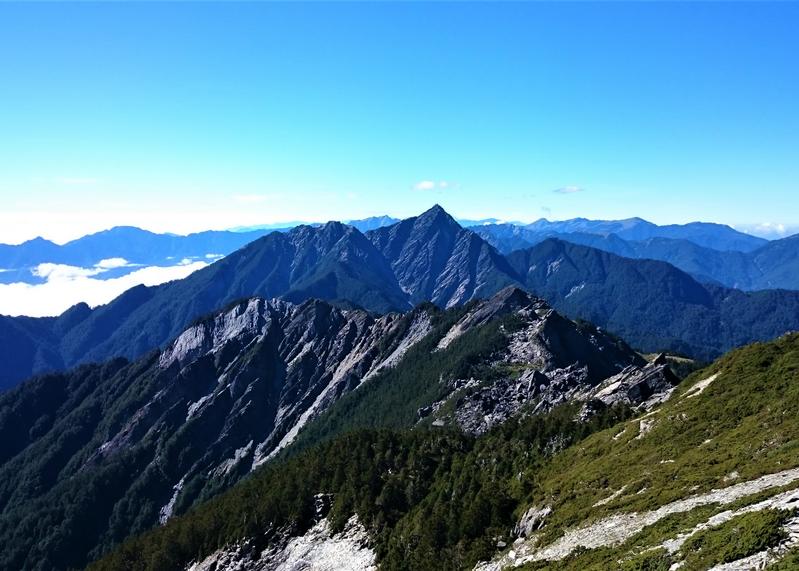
[{"x": 185, "y": 116}]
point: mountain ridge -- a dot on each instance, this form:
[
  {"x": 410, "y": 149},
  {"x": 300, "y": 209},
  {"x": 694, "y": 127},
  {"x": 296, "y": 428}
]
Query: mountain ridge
[{"x": 425, "y": 258}]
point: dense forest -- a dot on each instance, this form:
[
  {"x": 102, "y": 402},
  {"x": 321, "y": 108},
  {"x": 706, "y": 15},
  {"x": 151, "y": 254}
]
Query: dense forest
[{"x": 432, "y": 499}]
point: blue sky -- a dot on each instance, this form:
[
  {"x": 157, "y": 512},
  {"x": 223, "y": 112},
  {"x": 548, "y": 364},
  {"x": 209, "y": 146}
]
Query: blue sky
[{"x": 189, "y": 116}]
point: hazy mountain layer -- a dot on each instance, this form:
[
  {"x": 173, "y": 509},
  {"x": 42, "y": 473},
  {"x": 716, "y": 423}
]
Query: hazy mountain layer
[{"x": 772, "y": 265}]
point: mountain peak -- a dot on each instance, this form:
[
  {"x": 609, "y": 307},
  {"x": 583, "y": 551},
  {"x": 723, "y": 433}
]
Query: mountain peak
[{"x": 438, "y": 216}]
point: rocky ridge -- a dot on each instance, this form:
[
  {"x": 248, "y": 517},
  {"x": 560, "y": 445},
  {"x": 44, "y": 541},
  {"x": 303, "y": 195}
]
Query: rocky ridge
[{"x": 547, "y": 361}]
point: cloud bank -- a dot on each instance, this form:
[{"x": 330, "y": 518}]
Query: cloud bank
[
  {"x": 769, "y": 230},
  {"x": 68, "y": 285}
]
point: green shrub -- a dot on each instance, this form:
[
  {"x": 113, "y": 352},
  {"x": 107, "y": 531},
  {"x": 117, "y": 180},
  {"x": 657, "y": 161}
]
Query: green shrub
[{"x": 740, "y": 537}]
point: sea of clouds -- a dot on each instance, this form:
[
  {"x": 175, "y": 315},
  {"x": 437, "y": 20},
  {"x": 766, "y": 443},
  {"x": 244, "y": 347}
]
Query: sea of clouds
[{"x": 65, "y": 286}]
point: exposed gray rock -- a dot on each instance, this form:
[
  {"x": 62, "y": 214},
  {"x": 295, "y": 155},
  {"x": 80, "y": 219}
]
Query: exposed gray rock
[
  {"x": 434, "y": 259},
  {"x": 241, "y": 384},
  {"x": 616, "y": 529},
  {"x": 318, "y": 549},
  {"x": 548, "y": 361},
  {"x": 532, "y": 520}
]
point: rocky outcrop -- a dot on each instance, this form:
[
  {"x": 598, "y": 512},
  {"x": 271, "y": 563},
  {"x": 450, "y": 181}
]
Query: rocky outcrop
[
  {"x": 318, "y": 549},
  {"x": 531, "y": 521},
  {"x": 547, "y": 361},
  {"x": 638, "y": 386}
]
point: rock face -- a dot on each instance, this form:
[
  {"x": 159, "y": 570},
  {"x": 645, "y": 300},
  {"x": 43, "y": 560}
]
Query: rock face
[
  {"x": 547, "y": 361},
  {"x": 316, "y": 550},
  {"x": 178, "y": 426},
  {"x": 270, "y": 367},
  {"x": 434, "y": 259}
]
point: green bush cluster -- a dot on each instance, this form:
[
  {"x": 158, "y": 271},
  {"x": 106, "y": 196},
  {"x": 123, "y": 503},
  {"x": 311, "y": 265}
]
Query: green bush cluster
[{"x": 740, "y": 537}]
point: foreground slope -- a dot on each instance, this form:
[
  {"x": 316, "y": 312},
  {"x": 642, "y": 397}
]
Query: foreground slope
[
  {"x": 724, "y": 446},
  {"x": 708, "y": 478}
]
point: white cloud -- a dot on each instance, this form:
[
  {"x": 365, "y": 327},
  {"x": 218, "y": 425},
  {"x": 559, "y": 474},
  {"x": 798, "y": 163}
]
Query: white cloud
[
  {"x": 433, "y": 185},
  {"x": 424, "y": 185},
  {"x": 569, "y": 190},
  {"x": 112, "y": 263},
  {"x": 58, "y": 272},
  {"x": 768, "y": 230},
  {"x": 68, "y": 285}
]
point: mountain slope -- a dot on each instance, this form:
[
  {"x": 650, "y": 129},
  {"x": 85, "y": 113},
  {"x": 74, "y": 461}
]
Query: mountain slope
[
  {"x": 723, "y": 446},
  {"x": 122, "y": 446},
  {"x": 652, "y": 304},
  {"x": 333, "y": 262},
  {"x": 709, "y": 476},
  {"x": 778, "y": 262},
  {"x": 436, "y": 260}
]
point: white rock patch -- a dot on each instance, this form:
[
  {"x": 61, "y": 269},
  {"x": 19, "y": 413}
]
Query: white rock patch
[
  {"x": 700, "y": 386},
  {"x": 317, "y": 550},
  {"x": 417, "y": 331},
  {"x": 611, "y": 497},
  {"x": 618, "y": 528},
  {"x": 166, "y": 511}
]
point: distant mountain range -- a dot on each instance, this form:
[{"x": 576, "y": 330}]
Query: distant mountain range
[
  {"x": 711, "y": 253},
  {"x": 654, "y": 305},
  {"x": 137, "y": 248}
]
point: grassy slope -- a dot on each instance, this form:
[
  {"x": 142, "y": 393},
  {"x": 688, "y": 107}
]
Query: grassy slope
[
  {"x": 748, "y": 415},
  {"x": 744, "y": 422}
]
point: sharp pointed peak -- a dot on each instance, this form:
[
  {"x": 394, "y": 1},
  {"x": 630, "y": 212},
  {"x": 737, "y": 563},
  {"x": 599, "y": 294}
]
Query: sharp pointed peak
[{"x": 437, "y": 213}]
